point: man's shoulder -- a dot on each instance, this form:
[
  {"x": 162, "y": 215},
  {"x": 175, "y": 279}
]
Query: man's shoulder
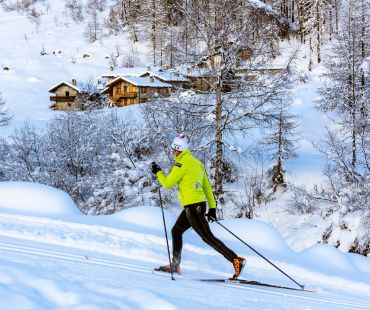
[{"x": 193, "y": 161}]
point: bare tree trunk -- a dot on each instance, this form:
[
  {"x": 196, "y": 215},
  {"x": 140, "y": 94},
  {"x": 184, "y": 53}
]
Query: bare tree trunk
[
  {"x": 219, "y": 143},
  {"x": 354, "y": 147},
  {"x": 318, "y": 29},
  {"x": 336, "y": 16},
  {"x": 154, "y": 35},
  {"x": 353, "y": 99}
]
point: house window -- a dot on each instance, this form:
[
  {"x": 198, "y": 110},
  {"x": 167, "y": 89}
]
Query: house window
[
  {"x": 143, "y": 90},
  {"x": 67, "y": 93},
  {"x": 125, "y": 89}
]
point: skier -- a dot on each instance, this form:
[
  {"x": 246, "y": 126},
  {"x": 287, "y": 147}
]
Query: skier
[{"x": 194, "y": 190}]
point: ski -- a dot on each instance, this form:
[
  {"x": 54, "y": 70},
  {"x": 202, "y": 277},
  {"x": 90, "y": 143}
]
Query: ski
[
  {"x": 241, "y": 281},
  {"x": 161, "y": 272}
]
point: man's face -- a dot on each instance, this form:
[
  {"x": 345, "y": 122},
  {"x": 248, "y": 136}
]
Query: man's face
[{"x": 175, "y": 152}]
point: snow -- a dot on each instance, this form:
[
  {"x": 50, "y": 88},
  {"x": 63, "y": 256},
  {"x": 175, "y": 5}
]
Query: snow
[
  {"x": 78, "y": 261},
  {"x": 141, "y": 81},
  {"x": 33, "y": 198},
  {"x": 54, "y": 257}
]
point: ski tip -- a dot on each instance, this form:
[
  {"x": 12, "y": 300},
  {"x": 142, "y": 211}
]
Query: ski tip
[
  {"x": 310, "y": 291},
  {"x": 307, "y": 290}
]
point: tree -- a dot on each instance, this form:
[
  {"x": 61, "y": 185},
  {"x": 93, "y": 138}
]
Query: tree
[
  {"x": 75, "y": 8},
  {"x": 345, "y": 98},
  {"x": 93, "y": 27},
  {"x": 345, "y": 93},
  {"x": 281, "y": 142},
  {"x": 221, "y": 33},
  {"x": 315, "y": 19},
  {"x": 90, "y": 98},
  {"x": 4, "y": 113}
]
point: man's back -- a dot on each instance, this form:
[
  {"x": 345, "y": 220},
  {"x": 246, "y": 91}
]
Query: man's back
[{"x": 190, "y": 176}]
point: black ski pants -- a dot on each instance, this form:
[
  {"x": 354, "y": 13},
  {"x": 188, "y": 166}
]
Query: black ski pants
[{"x": 194, "y": 216}]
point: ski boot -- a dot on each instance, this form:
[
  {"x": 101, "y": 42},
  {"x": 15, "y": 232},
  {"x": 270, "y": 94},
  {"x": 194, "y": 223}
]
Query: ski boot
[
  {"x": 167, "y": 268},
  {"x": 238, "y": 263}
]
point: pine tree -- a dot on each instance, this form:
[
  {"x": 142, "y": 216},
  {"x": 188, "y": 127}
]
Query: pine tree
[
  {"x": 4, "y": 113},
  {"x": 281, "y": 143}
]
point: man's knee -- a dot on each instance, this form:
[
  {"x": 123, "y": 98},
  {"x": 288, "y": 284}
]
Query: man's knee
[{"x": 176, "y": 232}]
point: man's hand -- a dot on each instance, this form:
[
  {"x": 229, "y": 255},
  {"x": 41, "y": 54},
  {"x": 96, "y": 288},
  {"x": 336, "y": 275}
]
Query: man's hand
[
  {"x": 155, "y": 168},
  {"x": 211, "y": 215}
]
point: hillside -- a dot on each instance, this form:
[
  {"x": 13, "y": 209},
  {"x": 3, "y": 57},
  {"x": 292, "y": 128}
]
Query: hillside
[{"x": 44, "y": 44}]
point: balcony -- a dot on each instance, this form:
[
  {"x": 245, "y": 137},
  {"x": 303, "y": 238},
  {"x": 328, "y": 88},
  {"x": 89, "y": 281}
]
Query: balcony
[
  {"x": 62, "y": 98},
  {"x": 120, "y": 96}
]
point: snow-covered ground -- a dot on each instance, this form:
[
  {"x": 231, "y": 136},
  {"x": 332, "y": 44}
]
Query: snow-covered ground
[
  {"x": 53, "y": 257},
  {"x": 74, "y": 261}
]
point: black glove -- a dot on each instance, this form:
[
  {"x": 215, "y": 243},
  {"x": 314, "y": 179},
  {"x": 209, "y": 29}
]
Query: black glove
[
  {"x": 155, "y": 168},
  {"x": 211, "y": 215}
]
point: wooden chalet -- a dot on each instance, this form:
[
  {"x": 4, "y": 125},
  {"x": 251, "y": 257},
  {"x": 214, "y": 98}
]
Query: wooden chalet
[
  {"x": 177, "y": 80},
  {"x": 64, "y": 95},
  {"x": 127, "y": 90}
]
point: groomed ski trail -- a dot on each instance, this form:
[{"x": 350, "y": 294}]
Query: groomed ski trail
[{"x": 111, "y": 263}]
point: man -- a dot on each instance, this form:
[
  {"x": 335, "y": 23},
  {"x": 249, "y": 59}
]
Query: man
[{"x": 194, "y": 190}]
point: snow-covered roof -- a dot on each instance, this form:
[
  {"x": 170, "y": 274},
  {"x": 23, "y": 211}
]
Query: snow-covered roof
[
  {"x": 140, "y": 81},
  {"x": 167, "y": 76},
  {"x": 51, "y": 90}
]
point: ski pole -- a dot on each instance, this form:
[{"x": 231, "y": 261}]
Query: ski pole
[
  {"x": 165, "y": 230},
  {"x": 300, "y": 285}
]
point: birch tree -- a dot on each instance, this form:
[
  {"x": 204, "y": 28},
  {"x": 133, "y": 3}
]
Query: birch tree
[{"x": 222, "y": 31}]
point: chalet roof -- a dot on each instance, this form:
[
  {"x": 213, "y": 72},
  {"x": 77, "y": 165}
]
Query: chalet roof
[
  {"x": 55, "y": 87},
  {"x": 139, "y": 81},
  {"x": 167, "y": 76}
]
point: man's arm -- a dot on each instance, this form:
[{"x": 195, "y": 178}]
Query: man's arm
[{"x": 173, "y": 177}]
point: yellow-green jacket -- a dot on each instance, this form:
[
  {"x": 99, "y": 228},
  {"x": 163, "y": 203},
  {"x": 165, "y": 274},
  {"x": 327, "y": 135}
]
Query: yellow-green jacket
[{"x": 191, "y": 178}]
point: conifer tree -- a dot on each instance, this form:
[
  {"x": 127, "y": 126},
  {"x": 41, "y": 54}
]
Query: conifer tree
[
  {"x": 281, "y": 143},
  {"x": 4, "y": 113}
]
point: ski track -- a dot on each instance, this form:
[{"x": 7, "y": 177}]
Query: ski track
[{"x": 53, "y": 254}]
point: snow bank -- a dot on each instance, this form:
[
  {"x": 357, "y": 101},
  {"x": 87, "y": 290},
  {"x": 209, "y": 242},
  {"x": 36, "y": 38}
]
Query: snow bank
[
  {"x": 257, "y": 234},
  {"x": 149, "y": 217},
  {"x": 35, "y": 199}
]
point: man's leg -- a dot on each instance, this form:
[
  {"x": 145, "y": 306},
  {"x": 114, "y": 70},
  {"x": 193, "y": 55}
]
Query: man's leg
[
  {"x": 182, "y": 224},
  {"x": 195, "y": 215}
]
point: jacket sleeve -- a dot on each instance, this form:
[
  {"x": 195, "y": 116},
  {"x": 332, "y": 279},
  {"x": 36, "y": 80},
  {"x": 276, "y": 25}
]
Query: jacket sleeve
[
  {"x": 207, "y": 188},
  {"x": 173, "y": 177}
]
